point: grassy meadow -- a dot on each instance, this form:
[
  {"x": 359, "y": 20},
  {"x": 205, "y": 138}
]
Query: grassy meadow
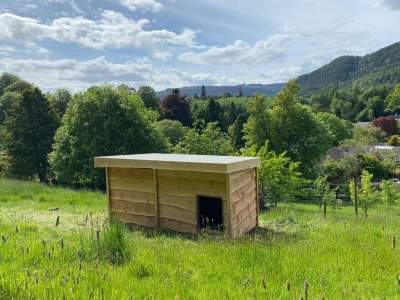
[{"x": 54, "y": 244}]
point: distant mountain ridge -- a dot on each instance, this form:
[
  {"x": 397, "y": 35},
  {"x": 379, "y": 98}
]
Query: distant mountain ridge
[
  {"x": 379, "y": 68},
  {"x": 248, "y": 90}
]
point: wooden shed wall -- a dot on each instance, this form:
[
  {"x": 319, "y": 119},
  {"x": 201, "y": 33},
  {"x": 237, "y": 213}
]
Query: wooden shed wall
[
  {"x": 133, "y": 196},
  {"x": 243, "y": 199}
]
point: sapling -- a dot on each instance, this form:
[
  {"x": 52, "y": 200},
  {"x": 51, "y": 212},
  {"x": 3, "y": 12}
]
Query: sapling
[
  {"x": 390, "y": 192},
  {"x": 368, "y": 195}
]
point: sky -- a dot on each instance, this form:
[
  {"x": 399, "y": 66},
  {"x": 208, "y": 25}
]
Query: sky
[{"x": 75, "y": 44}]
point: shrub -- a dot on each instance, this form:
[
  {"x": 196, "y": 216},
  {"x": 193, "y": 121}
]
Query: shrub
[
  {"x": 173, "y": 130},
  {"x": 209, "y": 141}
]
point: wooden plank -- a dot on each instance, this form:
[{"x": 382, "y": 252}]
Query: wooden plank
[
  {"x": 192, "y": 175},
  {"x": 132, "y": 196},
  {"x": 242, "y": 181},
  {"x": 248, "y": 222},
  {"x": 156, "y": 196},
  {"x": 248, "y": 187},
  {"x": 257, "y": 198},
  {"x": 240, "y": 218},
  {"x": 135, "y": 174},
  {"x": 228, "y": 221},
  {"x": 238, "y": 206},
  {"x": 135, "y": 219},
  {"x": 178, "y": 214},
  {"x": 108, "y": 193},
  {"x": 177, "y": 226},
  {"x": 247, "y": 207},
  {"x": 187, "y": 203},
  {"x": 129, "y": 184},
  {"x": 142, "y": 209},
  {"x": 188, "y": 190}
]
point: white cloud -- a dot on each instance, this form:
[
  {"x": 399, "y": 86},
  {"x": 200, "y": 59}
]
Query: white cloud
[
  {"x": 152, "y": 5},
  {"x": 112, "y": 30},
  {"x": 162, "y": 55},
  {"x": 77, "y": 75},
  {"x": 240, "y": 52}
]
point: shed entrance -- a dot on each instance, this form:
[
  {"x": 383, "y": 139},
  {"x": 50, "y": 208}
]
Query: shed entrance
[{"x": 210, "y": 213}]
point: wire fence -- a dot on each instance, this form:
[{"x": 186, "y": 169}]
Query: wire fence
[{"x": 306, "y": 193}]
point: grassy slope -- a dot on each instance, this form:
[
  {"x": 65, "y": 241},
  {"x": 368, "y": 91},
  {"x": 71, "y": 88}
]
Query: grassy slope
[{"x": 340, "y": 258}]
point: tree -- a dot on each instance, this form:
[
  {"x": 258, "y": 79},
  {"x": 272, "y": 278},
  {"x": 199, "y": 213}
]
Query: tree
[
  {"x": 240, "y": 93},
  {"x": 327, "y": 195},
  {"x": 257, "y": 128},
  {"x": 364, "y": 135},
  {"x": 173, "y": 130},
  {"x": 101, "y": 121},
  {"x": 175, "y": 107},
  {"x": 6, "y": 102},
  {"x": 7, "y": 79},
  {"x": 236, "y": 133},
  {"x": 59, "y": 101},
  {"x": 394, "y": 140},
  {"x": 387, "y": 124},
  {"x": 210, "y": 141},
  {"x": 149, "y": 97},
  {"x": 203, "y": 93},
  {"x": 280, "y": 177},
  {"x": 337, "y": 129},
  {"x": 393, "y": 100},
  {"x": 390, "y": 192},
  {"x": 30, "y": 129},
  {"x": 367, "y": 192},
  {"x": 214, "y": 112},
  {"x": 295, "y": 130}
]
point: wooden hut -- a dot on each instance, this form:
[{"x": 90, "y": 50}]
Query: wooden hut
[{"x": 184, "y": 193}]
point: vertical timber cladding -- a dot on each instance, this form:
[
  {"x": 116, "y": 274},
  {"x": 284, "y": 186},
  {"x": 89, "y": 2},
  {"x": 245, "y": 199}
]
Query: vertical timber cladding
[
  {"x": 243, "y": 200},
  {"x": 132, "y": 196},
  {"x": 178, "y": 192}
]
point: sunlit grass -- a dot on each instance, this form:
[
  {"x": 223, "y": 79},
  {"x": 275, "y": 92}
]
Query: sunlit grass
[{"x": 340, "y": 258}]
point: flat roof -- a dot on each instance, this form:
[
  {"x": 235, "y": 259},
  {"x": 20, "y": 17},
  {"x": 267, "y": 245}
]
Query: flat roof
[{"x": 182, "y": 162}]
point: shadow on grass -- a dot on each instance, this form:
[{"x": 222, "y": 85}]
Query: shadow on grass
[{"x": 260, "y": 234}]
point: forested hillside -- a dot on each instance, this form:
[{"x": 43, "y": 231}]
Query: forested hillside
[
  {"x": 379, "y": 68},
  {"x": 245, "y": 90}
]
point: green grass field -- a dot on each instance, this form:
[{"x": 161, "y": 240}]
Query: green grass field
[{"x": 340, "y": 258}]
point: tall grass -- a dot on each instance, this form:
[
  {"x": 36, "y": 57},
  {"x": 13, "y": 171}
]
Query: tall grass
[{"x": 296, "y": 252}]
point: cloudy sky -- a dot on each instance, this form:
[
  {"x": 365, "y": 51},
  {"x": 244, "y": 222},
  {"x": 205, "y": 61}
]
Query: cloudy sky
[{"x": 172, "y": 43}]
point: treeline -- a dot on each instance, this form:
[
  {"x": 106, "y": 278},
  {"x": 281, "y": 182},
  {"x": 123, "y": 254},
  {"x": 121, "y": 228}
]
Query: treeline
[
  {"x": 54, "y": 137},
  {"x": 357, "y": 105}
]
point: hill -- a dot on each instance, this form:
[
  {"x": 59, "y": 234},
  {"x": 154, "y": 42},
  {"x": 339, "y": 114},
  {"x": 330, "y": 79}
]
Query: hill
[
  {"x": 379, "y": 68},
  {"x": 248, "y": 90}
]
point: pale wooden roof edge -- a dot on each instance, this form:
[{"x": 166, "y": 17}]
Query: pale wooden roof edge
[{"x": 180, "y": 162}]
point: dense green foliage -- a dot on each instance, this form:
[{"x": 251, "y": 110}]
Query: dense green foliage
[
  {"x": 379, "y": 68},
  {"x": 101, "y": 121},
  {"x": 289, "y": 127},
  {"x": 173, "y": 130},
  {"x": 149, "y": 97},
  {"x": 30, "y": 128},
  {"x": 210, "y": 141}
]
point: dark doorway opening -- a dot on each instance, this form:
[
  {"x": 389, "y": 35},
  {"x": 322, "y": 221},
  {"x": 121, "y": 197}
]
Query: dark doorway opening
[{"x": 210, "y": 212}]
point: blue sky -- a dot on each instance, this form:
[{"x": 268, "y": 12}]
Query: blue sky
[{"x": 172, "y": 43}]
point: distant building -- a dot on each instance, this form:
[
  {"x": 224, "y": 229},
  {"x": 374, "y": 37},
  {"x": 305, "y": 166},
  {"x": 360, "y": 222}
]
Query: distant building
[{"x": 338, "y": 153}]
